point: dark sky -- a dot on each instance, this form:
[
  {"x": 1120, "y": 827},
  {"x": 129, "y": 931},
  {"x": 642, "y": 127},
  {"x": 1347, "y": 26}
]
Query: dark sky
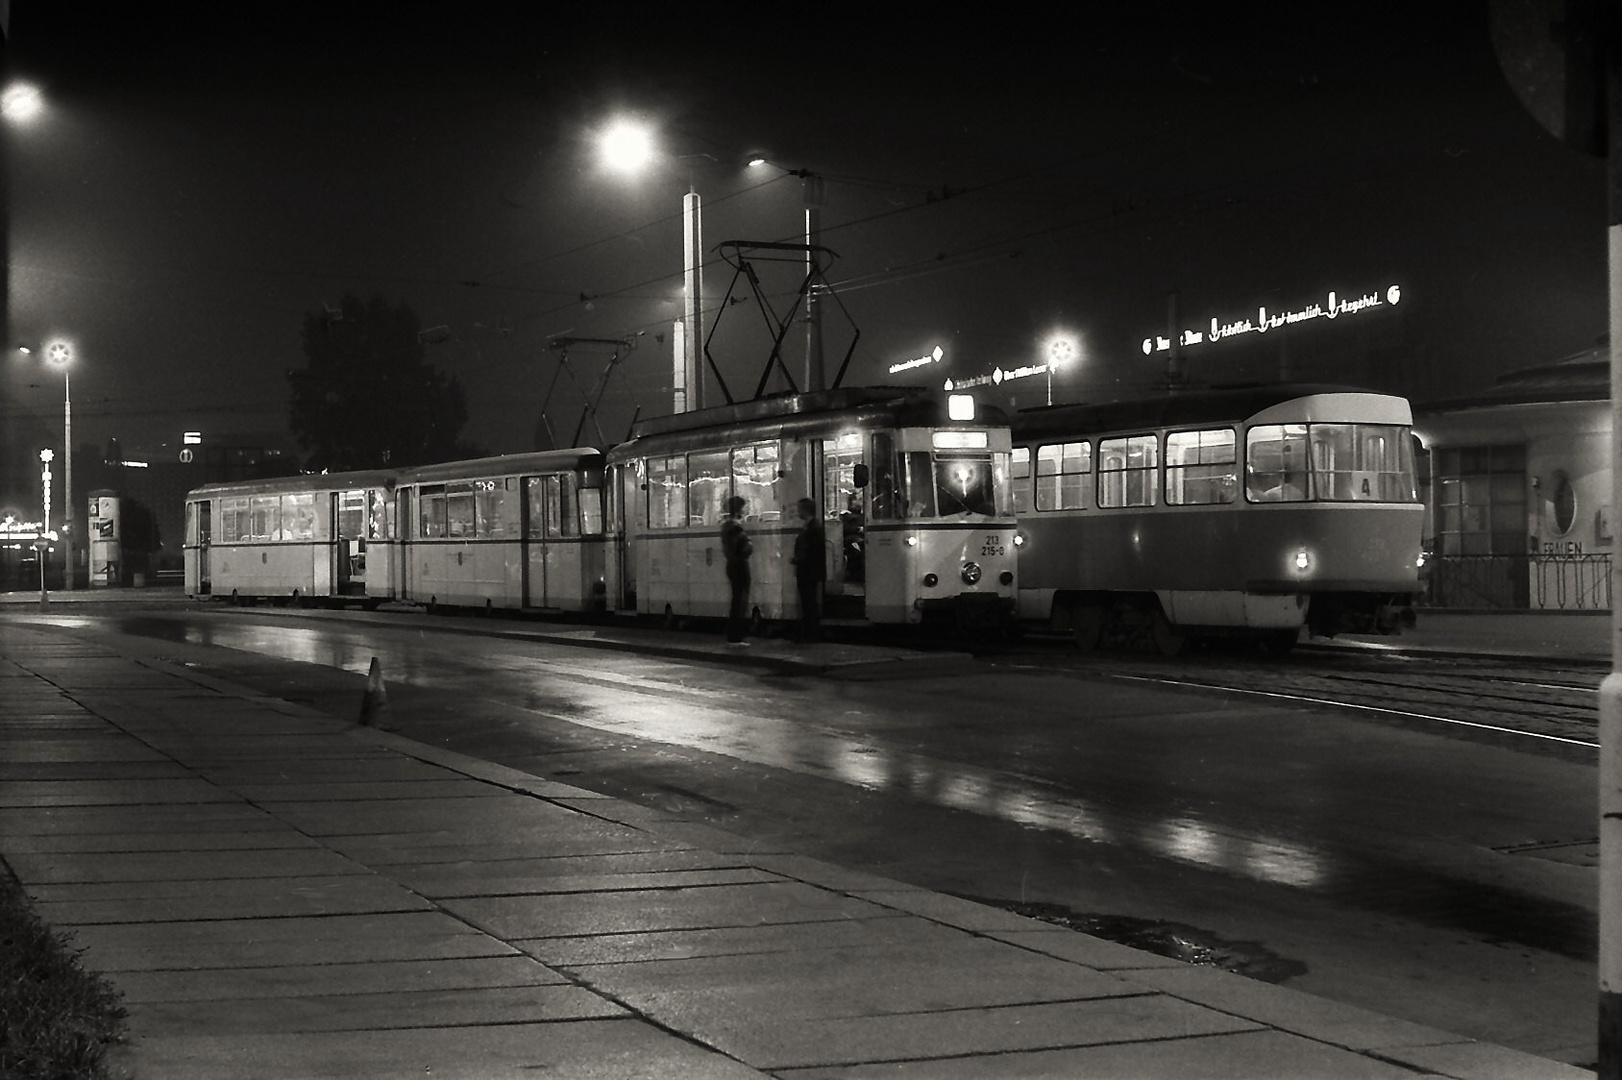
[{"x": 205, "y": 176}]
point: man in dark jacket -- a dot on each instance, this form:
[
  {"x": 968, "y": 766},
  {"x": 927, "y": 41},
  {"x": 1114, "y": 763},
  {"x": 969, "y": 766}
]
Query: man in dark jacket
[{"x": 810, "y": 570}]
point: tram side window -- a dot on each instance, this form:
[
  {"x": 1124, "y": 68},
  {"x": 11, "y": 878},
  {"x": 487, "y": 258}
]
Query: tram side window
[
  {"x": 1276, "y": 466},
  {"x": 545, "y": 506},
  {"x": 590, "y": 500},
  {"x": 1061, "y": 475},
  {"x": 495, "y": 508},
  {"x": 1128, "y": 471},
  {"x": 754, "y": 476},
  {"x": 298, "y": 516},
  {"x": 352, "y": 514},
  {"x": 667, "y": 492},
  {"x": 460, "y": 516},
  {"x": 266, "y": 519},
  {"x": 1201, "y": 467},
  {"x": 377, "y": 518},
  {"x": 1362, "y": 463},
  {"x": 431, "y": 511},
  {"x": 709, "y": 478},
  {"x": 235, "y": 520},
  {"x": 1019, "y": 472}
]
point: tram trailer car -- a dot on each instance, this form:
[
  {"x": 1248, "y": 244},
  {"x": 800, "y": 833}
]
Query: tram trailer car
[
  {"x": 1252, "y": 511},
  {"x": 294, "y": 538},
  {"x": 915, "y": 506},
  {"x": 516, "y": 532}
]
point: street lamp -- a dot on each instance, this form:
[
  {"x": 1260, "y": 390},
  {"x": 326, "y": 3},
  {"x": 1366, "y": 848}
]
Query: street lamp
[
  {"x": 21, "y": 103},
  {"x": 627, "y": 146},
  {"x": 59, "y": 354},
  {"x": 1061, "y": 351}
]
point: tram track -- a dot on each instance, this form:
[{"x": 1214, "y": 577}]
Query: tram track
[{"x": 1549, "y": 704}]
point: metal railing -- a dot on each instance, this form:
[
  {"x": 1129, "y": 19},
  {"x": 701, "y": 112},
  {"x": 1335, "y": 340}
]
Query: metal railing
[{"x": 1528, "y": 582}]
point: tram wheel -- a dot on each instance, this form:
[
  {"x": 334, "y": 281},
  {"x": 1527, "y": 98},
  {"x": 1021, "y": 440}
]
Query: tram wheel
[
  {"x": 1166, "y": 638},
  {"x": 1087, "y": 626}
]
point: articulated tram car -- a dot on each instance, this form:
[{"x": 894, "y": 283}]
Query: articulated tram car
[
  {"x": 915, "y": 506},
  {"x": 293, "y": 538},
  {"x": 1254, "y": 511},
  {"x": 520, "y": 531}
]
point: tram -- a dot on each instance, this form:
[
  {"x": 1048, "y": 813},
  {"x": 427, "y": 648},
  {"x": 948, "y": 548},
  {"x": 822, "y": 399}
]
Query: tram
[
  {"x": 518, "y": 531},
  {"x": 293, "y": 538},
  {"x": 1253, "y": 511},
  {"x": 913, "y": 493}
]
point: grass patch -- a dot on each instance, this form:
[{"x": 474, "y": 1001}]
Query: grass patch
[{"x": 56, "y": 1019}]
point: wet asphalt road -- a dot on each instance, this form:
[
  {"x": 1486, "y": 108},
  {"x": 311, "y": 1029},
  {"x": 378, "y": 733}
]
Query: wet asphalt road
[{"x": 1424, "y": 872}]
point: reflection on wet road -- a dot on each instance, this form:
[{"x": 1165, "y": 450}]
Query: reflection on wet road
[{"x": 1088, "y": 788}]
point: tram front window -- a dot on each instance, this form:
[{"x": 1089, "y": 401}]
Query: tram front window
[{"x": 950, "y": 484}]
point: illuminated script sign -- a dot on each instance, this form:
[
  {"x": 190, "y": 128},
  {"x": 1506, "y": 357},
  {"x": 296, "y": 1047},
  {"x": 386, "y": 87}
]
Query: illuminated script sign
[
  {"x": 1335, "y": 307},
  {"x": 998, "y": 376},
  {"x": 919, "y": 361}
]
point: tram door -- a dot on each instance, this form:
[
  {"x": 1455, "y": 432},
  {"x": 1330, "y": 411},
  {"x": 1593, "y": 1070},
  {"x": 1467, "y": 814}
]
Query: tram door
[
  {"x": 618, "y": 493},
  {"x": 349, "y": 514},
  {"x": 546, "y": 523},
  {"x": 200, "y": 526},
  {"x": 844, "y": 477}
]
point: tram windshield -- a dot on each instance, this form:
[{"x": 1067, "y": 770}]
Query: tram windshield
[
  {"x": 1329, "y": 463},
  {"x": 944, "y": 485}
]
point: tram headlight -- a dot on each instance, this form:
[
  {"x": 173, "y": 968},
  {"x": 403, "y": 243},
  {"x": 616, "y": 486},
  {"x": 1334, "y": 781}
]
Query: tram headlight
[
  {"x": 912, "y": 541},
  {"x": 1302, "y": 561},
  {"x": 1019, "y": 539},
  {"x": 930, "y": 581},
  {"x": 971, "y": 573}
]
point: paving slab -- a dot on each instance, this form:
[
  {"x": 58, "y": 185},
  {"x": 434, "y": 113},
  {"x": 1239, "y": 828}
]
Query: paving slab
[
  {"x": 858, "y": 1040},
  {"x": 191, "y": 900},
  {"x": 461, "y": 1007},
  {"x": 572, "y": 914},
  {"x": 278, "y": 837},
  {"x": 957, "y": 971},
  {"x": 276, "y": 862},
  {"x": 886, "y": 929},
  {"x": 1248, "y": 1055},
  {"x": 445, "y": 882},
  {"x": 437, "y": 848},
  {"x": 247, "y": 943},
  {"x": 583, "y": 1050},
  {"x": 173, "y": 818},
  {"x": 112, "y": 792},
  {"x": 299, "y": 980}
]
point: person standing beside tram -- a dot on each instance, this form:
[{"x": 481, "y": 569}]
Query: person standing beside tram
[
  {"x": 736, "y": 548},
  {"x": 810, "y": 570}
]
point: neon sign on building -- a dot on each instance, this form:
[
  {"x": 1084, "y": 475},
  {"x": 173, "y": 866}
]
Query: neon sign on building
[{"x": 1334, "y": 307}]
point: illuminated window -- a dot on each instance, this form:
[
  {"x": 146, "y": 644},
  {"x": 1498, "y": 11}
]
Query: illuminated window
[
  {"x": 1128, "y": 471},
  {"x": 1202, "y": 467},
  {"x": 1019, "y": 472},
  {"x": 1061, "y": 475},
  {"x": 431, "y": 511},
  {"x": 667, "y": 492}
]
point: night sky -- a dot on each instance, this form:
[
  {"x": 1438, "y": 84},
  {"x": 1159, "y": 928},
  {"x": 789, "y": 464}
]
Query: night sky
[{"x": 206, "y": 176}]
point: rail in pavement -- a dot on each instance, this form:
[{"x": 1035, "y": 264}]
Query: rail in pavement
[{"x": 279, "y": 893}]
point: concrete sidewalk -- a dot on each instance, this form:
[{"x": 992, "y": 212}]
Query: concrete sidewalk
[{"x": 281, "y": 894}]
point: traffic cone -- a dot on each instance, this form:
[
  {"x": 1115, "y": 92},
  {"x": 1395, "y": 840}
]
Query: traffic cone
[{"x": 374, "y": 707}]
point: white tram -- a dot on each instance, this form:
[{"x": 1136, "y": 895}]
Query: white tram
[
  {"x": 293, "y": 538},
  {"x": 1252, "y": 511},
  {"x": 915, "y": 506},
  {"x": 520, "y": 531}
]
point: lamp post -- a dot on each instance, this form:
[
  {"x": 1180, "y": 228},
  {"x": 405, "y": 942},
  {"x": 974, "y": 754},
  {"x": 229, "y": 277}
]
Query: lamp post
[
  {"x": 41, "y": 544},
  {"x": 59, "y": 354},
  {"x": 626, "y": 146},
  {"x": 1061, "y": 351}
]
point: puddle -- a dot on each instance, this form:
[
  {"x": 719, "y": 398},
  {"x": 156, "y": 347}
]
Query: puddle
[{"x": 1176, "y": 940}]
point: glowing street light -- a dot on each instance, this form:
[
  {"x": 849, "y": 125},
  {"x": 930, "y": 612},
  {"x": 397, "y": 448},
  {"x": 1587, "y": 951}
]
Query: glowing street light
[
  {"x": 1061, "y": 351},
  {"x": 59, "y": 354},
  {"x": 21, "y": 103}
]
